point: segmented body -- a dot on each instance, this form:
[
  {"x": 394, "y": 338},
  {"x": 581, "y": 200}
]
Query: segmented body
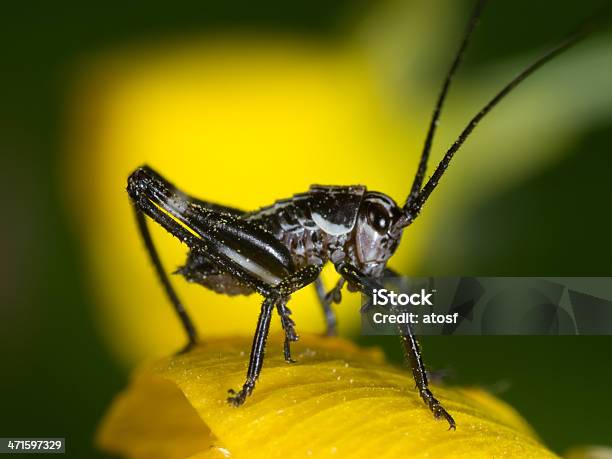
[
  {"x": 314, "y": 224},
  {"x": 311, "y": 226}
]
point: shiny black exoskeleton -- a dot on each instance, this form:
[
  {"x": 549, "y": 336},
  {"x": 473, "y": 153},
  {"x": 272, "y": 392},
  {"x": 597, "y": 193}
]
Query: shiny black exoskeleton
[{"x": 280, "y": 249}]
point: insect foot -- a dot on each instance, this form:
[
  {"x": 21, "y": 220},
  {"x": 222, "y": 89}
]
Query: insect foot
[
  {"x": 237, "y": 399},
  {"x": 437, "y": 409}
]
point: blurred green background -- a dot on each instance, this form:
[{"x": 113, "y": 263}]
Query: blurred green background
[{"x": 57, "y": 377}]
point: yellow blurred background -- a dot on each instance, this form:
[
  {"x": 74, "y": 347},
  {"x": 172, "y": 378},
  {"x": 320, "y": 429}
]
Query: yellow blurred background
[
  {"x": 238, "y": 122},
  {"x": 248, "y": 103}
]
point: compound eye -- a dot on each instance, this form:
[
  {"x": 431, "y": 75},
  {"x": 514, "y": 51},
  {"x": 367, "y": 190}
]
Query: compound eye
[{"x": 378, "y": 217}]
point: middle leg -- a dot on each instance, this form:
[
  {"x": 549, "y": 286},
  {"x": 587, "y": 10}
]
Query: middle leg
[
  {"x": 278, "y": 295},
  {"x": 289, "y": 328}
]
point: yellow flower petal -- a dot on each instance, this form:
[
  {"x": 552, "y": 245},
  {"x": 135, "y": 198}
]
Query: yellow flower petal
[
  {"x": 337, "y": 400},
  {"x": 176, "y": 432}
]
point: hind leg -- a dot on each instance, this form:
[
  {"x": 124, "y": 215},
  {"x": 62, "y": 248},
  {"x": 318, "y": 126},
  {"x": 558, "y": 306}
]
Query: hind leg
[
  {"x": 177, "y": 304},
  {"x": 137, "y": 189}
]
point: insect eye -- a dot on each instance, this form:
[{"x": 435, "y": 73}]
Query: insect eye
[{"x": 378, "y": 218}]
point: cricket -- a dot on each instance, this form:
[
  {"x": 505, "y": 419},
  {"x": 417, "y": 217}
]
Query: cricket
[{"x": 282, "y": 248}]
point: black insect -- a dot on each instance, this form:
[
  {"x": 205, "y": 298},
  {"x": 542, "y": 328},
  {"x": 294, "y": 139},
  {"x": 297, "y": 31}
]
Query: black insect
[{"x": 280, "y": 249}]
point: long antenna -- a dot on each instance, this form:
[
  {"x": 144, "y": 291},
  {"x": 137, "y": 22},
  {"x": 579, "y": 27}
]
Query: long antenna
[
  {"x": 420, "y": 175},
  {"x": 417, "y": 204}
]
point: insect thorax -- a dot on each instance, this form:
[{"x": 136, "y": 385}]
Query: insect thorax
[{"x": 326, "y": 219}]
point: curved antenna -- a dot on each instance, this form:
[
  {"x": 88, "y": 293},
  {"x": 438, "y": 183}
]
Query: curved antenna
[
  {"x": 415, "y": 207},
  {"x": 422, "y": 169}
]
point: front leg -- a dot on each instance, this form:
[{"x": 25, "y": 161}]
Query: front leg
[
  {"x": 411, "y": 346},
  {"x": 413, "y": 353}
]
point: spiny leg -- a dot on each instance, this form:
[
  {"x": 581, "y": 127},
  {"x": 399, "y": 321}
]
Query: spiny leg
[
  {"x": 365, "y": 285},
  {"x": 278, "y": 294},
  {"x": 214, "y": 234},
  {"x": 290, "y": 284},
  {"x": 158, "y": 199},
  {"x": 326, "y": 299},
  {"x": 186, "y": 321},
  {"x": 257, "y": 353},
  {"x": 419, "y": 373},
  {"x": 238, "y": 248},
  {"x": 288, "y": 326}
]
